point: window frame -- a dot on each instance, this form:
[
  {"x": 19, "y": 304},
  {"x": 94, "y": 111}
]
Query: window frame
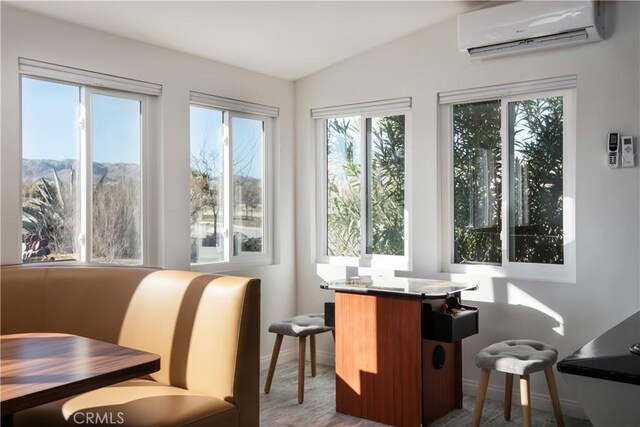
[
  {"x": 565, "y": 272},
  {"x": 230, "y": 261},
  {"x": 85, "y": 160},
  {"x": 396, "y": 262},
  {"x": 86, "y": 156}
]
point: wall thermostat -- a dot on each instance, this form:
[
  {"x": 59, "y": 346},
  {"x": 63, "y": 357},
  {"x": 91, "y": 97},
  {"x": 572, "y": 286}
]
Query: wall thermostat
[
  {"x": 613, "y": 146},
  {"x": 628, "y": 160}
]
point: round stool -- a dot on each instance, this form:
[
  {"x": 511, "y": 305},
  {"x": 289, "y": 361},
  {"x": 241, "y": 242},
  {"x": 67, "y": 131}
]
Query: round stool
[
  {"x": 299, "y": 327},
  {"x": 517, "y": 357}
]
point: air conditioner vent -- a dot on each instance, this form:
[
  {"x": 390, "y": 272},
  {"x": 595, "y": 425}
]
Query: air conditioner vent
[
  {"x": 536, "y": 42},
  {"x": 527, "y": 25}
]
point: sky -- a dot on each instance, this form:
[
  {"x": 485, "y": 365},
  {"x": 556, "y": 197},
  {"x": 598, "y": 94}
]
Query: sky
[
  {"x": 50, "y": 115},
  {"x": 207, "y": 128}
]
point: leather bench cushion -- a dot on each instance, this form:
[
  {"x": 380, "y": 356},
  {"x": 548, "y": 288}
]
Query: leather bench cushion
[
  {"x": 205, "y": 328},
  {"x": 84, "y": 300},
  {"x": 131, "y": 403}
]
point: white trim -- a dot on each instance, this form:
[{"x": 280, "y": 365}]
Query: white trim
[
  {"x": 540, "y": 401},
  {"x": 507, "y": 90},
  {"x": 233, "y": 104},
  {"x": 285, "y": 355},
  {"x": 326, "y": 358},
  {"x": 363, "y": 108},
  {"x": 31, "y": 67}
]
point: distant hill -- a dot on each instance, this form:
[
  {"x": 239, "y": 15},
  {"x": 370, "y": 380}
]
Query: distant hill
[{"x": 36, "y": 168}]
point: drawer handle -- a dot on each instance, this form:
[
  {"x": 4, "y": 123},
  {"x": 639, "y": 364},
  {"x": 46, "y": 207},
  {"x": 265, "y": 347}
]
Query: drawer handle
[{"x": 439, "y": 356}]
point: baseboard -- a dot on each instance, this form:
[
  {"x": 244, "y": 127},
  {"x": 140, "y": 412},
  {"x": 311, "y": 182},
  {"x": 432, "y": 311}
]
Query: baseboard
[
  {"x": 325, "y": 358},
  {"x": 538, "y": 400},
  {"x": 286, "y": 355},
  {"x": 494, "y": 392}
]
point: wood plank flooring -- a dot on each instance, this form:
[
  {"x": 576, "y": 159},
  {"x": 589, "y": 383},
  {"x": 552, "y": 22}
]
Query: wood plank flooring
[{"x": 280, "y": 407}]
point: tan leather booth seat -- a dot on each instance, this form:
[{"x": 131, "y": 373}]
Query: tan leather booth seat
[{"x": 204, "y": 327}]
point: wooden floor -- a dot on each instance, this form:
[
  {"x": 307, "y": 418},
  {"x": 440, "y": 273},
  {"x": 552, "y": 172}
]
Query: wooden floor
[{"x": 280, "y": 407}]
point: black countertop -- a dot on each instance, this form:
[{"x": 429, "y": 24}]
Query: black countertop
[
  {"x": 399, "y": 286},
  {"x": 608, "y": 357}
]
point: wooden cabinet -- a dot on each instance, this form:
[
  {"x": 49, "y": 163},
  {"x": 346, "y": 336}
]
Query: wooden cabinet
[{"x": 385, "y": 370}]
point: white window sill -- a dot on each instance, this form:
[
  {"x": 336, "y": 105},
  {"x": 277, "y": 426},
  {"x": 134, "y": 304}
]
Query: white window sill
[
  {"x": 534, "y": 272},
  {"x": 237, "y": 264},
  {"x": 380, "y": 262}
]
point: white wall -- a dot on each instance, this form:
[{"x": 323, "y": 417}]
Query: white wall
[
  {"x": 37, "y": 37},
  {"x": 567, "y": 316}
]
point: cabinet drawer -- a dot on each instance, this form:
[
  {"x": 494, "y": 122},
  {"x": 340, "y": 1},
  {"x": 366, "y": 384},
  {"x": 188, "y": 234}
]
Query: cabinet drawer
[{"x": 448, "y": 327}]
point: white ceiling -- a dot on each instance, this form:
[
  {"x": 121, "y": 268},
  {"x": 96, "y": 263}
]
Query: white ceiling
[{"x": 289, "y": 39}]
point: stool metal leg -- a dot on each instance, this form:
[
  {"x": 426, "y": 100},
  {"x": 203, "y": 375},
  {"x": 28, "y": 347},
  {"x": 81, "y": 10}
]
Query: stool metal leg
[
  {"x": 274, "y": 360},
  {"x": 553, "y": 392},
  {"x": 525, "y": 400},
  {"x": 312, "y": 342},
  {"x": 482, "y": 393},
  {"x": 508, "y": 392},
  {"x": 301, "y": 356}
]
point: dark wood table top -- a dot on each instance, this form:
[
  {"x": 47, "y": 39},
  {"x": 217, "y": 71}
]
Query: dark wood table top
[{"x": 41, "y": 368}]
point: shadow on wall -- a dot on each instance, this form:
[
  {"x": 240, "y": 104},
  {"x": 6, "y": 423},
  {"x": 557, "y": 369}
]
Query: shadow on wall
[
  {"x": 509, "y": 308},
  {"x": 507, "y": 322}
]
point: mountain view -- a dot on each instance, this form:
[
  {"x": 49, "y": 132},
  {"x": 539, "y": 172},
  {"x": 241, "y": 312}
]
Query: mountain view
[{"x": 37, "y": 168}]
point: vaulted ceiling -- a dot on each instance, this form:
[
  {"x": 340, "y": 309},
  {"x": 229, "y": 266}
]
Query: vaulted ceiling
[{"x": 287, "y": 39}]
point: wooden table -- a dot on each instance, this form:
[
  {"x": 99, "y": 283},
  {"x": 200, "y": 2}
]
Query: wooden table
[{"x": 41, "y": 368}]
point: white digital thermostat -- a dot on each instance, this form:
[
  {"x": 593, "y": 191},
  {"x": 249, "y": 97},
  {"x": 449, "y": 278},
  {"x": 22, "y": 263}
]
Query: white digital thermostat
[
  {"x": 628, "y": 160},
  {"x": 613, "y": 146}
]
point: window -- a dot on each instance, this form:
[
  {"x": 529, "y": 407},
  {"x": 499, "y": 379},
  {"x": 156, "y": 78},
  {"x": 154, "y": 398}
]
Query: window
[
  {"x": 477, "y": 181},
  {"x": 511, "y": 185},
  {"x": 229, "y": 191},
  {"x": 82, "y": 171},
  {"x": 363, "y": 190}
]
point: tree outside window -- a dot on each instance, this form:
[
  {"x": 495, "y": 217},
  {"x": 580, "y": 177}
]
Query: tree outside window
[
  {"x": 378, "y": 153},
  {"x": 534, "y": 187}
]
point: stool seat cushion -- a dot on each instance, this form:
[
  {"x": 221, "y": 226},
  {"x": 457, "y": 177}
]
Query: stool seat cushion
[
  {"x": 519, "y": 357},
  {"x": 301, "y": 326}
]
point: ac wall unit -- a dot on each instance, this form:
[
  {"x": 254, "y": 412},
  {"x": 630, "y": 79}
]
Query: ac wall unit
[{"x": 526, "y": 25}]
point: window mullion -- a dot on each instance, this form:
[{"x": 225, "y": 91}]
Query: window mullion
[
  {"x": 450, "y": 189},
  {"x": 506, "y": 180},
  {"x": 323, "y": 204},
  {"x": 145, "y": 205},
  {"x": 364, "y": 189},
  {"x": 228, "y": 186},
  {"x": 84, "y": 166}
]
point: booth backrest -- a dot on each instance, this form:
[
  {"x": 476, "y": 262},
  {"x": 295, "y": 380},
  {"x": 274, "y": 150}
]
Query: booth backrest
[{"x": 204, "y": 327}]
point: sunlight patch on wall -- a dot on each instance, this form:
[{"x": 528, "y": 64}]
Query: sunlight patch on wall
[{"x": 516, "y": 296}]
